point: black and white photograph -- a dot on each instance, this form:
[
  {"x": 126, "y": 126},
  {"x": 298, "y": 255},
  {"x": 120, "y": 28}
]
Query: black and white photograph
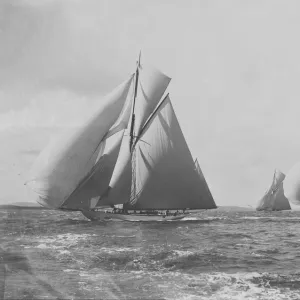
[{"x": 150, "y": 149}]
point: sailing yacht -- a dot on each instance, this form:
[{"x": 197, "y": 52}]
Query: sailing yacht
[
  {"x": 131, "y": 152},
  {"x": 291, "y": 185},
  {"x": 274, "y": 198}
]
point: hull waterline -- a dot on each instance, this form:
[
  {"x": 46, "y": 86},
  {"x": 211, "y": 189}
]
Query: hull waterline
[{"x": 101, "y": 216}]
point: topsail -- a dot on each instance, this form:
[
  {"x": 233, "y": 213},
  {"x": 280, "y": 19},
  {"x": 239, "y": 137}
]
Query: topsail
[
  {"x": 151, "y": 86},
  {"x": 274, "y": 198}
]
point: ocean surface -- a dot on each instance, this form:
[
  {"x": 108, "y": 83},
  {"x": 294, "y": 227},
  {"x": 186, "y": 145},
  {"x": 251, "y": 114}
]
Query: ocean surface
[{"x": 210, "y": 255}]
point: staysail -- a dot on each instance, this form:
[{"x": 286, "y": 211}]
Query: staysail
[
  {"x": 163, "y": 166},
  {"x": 274, "y": 198},
  {"x": 119, "y": 187},
  {"x": 96, "y": 182},
  {"x": 62, "y": 166},
  {"x": 291, "y": 185}
]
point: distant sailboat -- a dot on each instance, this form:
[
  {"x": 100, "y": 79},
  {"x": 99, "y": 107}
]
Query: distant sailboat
[
  {"x": 274, "y": 198},
  {"x": 131, "y": 153},
  {"x": 291, "y": 185}
]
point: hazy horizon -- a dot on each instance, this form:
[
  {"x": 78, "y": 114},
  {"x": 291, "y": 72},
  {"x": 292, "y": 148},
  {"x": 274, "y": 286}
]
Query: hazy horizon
[{"x": 234, "y": 65}]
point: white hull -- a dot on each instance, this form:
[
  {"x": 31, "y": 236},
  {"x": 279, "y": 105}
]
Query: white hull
[{"x": 101, "y": 216}]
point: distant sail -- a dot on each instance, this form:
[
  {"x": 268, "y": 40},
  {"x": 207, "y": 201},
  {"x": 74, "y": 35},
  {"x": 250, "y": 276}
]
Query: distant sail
[
  {"x": 163, "y": 167},
  {"x": 291, "y": 185},
  {"x": 64, "y": 164},
  {"x": 274, "y": 198},
  {"x": 151, "y": 86}
]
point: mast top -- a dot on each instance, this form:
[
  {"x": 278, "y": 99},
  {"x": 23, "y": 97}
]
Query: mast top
[{"x": 138, "y": 63}]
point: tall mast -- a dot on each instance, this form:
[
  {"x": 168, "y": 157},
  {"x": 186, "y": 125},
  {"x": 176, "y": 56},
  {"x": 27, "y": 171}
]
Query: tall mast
[{"x": 134, "y": 97}]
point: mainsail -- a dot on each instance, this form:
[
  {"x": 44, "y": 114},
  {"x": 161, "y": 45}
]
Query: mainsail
[
  {"x": 274, "y": 198},
  {"x": 63, "y": 165},
  {"x": 291, "y": 185},
  {"x": 202, "y": 178},
  {"x": 165, "y": 177}
]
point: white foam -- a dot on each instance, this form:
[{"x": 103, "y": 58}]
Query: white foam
[
  {"x": 62, "y": 242},
  {"x": 182, "y": 253},
  {"x": 123, "y": 249},
  {"x": 215, "y": 286}
]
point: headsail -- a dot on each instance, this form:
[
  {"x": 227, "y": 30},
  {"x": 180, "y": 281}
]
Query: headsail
[
  {"x": 119, "y": 188},
  {"x": 96, "y": 182},
  {"x": 274, "y": 198},
  {"x": 64, "y": 164},
  {"x": 165, "y": 176}
]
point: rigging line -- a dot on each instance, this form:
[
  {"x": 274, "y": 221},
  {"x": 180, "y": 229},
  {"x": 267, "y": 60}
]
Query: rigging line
[
  {"x": 134, "y": 98},
  {"x": 146, "y": 125}
]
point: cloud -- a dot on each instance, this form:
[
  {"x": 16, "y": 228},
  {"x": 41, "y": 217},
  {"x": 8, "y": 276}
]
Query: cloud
[{"x": 58, "y": 108}]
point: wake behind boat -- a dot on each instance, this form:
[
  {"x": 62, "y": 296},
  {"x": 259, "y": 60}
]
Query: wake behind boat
[{"x": 132, "y": 152}]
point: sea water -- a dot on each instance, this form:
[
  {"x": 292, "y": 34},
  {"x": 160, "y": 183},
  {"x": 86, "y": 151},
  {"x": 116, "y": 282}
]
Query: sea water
[{"x": 211, "y": 255}]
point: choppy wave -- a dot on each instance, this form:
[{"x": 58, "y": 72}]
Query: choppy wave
[{"x": 216, "y": 255}]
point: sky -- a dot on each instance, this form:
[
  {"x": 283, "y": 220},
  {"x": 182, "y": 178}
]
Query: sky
[{"x": 235, "y": 69}]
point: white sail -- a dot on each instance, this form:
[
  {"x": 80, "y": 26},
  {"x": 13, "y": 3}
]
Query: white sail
[
  {"x": 163, "y": 167},
  {"x": 291, "y": 185},
  {"x": 123, "y": 120},
  {"x": 274, "y": 198},
  {"x": 151, "y": 86},
  {"x": 119, "y": 188},
  {"x": 88, "y": 192},
  {"x": 202, "y": 178},
  {"x": 64, "y": 164}
]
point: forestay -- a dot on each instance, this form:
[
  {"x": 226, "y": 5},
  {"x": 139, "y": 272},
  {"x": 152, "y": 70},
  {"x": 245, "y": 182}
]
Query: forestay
[
  {"x": 64, "y": 164},
  {"x": 164, "y": 170},
  {"x": 274, "y": 198}
]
